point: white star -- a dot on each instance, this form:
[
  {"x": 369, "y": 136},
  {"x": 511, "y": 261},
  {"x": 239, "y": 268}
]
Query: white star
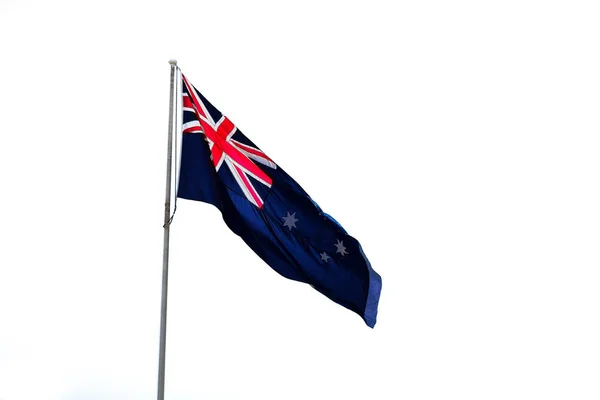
[
  {"x": 290, "y": 220},
  {"x": 340, "y": 247},
  {"x": 324, "y": 256}
]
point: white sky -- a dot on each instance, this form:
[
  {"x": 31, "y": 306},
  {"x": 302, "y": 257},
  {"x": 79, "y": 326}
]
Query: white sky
[{"x": 458, "y": 141}]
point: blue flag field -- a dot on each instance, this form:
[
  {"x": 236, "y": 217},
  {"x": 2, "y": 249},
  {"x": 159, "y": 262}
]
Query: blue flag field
[{"x": 269, "y": 210}]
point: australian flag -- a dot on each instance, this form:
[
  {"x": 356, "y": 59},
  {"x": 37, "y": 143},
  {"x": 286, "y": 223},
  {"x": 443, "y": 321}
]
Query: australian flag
[{"x": 269, "y": 210}]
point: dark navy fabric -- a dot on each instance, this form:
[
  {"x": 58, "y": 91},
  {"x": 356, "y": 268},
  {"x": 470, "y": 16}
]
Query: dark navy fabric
[{"x": 346, "y": 277}]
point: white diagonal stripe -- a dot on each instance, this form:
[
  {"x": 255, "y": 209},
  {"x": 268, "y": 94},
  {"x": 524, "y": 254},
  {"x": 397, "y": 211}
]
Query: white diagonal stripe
[{"x": 240, "y": 182}]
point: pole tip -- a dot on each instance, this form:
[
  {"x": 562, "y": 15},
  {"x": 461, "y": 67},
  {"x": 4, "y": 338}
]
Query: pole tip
[{"x": 173, "y": 62}]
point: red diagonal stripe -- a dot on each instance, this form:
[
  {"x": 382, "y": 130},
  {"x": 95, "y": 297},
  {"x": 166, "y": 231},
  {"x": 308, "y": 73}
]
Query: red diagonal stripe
[{"x": 249, "y": 186}]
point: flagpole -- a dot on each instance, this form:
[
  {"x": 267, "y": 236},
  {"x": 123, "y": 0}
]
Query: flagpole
[{"x": 166, "y": 226}]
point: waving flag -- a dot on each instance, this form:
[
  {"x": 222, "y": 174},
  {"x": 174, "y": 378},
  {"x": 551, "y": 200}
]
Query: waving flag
[{"x": 269, "y": 210}]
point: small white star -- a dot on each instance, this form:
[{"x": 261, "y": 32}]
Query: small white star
[
  {"x": 324, "y": 256},
  {"x": 290, "y": 220},
  {"x": 340, "y": 247}
]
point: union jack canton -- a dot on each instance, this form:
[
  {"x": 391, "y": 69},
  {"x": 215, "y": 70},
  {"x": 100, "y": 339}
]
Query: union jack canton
[{"x": 227, "y": 146}]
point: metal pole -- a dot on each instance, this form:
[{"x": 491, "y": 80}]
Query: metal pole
[{"x": 165, "y": 275}]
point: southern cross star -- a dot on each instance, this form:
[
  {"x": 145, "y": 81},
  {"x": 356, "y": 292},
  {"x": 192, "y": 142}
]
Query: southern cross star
[
  {"x": 340, "y": 247},
  {"x": 290, "y": 220},
  {"x": 324, "y": 256}
]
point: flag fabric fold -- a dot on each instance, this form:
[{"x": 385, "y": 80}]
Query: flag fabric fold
[{"x": 270, "y": 211}]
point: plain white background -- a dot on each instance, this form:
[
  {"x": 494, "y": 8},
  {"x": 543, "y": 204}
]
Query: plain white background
[{"x": 458, "y": 141}]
